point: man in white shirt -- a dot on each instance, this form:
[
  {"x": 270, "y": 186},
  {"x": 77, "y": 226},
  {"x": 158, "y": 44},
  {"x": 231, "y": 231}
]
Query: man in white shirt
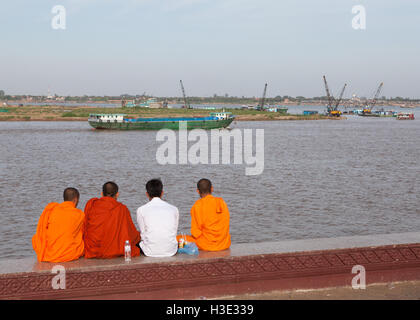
[{"x": 158, "y": 223}]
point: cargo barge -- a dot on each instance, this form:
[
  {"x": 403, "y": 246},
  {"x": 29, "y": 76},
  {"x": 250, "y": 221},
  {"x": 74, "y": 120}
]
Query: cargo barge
[{"x": 122, "y": 122}]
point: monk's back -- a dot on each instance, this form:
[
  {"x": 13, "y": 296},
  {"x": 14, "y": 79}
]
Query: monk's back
[
  {"x": 98, "y": 219},
  {"x": 211, "y": 217},
  {"x": 64, "y": 237},
  {"x": 108, "y": 226},
  {"x": 65, "y": 221}
]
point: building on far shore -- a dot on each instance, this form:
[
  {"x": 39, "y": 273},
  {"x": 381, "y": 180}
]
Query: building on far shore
[{"x": 149, "y": 103}]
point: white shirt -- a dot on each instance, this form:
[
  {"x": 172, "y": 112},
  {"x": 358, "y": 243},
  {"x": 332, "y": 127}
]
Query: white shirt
[{"x": 158, "y": 223}]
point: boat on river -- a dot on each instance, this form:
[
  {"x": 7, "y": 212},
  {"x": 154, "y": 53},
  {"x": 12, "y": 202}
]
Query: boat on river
[
  {"x": 386, "y": 113},
  {"x": 121, "y": 122},
  {"x": 405, "y": 116},
  {"x": 377, "y": 113}
]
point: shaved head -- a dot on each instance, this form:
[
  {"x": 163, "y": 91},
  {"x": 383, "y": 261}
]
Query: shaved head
[
  {"x": 204, "y": 186},
  {"x": 110, "y": 189},
  {"x": 71, "y": 194}
]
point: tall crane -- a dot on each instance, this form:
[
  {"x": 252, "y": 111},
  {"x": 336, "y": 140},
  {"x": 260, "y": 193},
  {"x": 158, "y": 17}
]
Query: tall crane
[
  {"x": 375, "y": 97},
  {"x": 186, "y": 104},
  {"x": 263, "y": 97},
  {"x": 332, "y": 110},
  {"x": 372, "y": 103},
  {"x": 341, "y": 96},
  {"x": 329, "y": 106}
]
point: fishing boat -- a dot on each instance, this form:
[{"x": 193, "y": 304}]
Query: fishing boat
[
  {"x": 121, "y": 122},
  {"x": 405, "y": 116}
]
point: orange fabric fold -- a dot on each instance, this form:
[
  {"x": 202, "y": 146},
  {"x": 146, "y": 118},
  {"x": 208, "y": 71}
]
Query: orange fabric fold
[
  {"x": 210, "y": 224},
  {"x": 59, "y": 234},
  {"x": 108, "y": 225}
]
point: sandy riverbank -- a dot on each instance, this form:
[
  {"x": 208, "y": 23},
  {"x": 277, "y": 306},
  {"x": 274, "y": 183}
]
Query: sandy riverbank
[{"x": 63, "y": 113}]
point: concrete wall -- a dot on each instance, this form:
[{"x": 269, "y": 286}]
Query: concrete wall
[{"x": 244, "y": 268}]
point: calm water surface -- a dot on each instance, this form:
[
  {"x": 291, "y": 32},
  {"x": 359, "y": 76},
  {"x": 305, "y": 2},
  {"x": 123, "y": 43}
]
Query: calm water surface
[{"x": 321, "y": 178}]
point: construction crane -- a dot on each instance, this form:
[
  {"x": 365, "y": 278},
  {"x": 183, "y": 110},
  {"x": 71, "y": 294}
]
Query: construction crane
[
  {"x": 329, "y": 106},
  {"x": 332, "y": 110},
  {"x": 341, "y": 96},
  {"x": 186, "y": 104},
  {"x": 369, "y": 106},
  {"x": 263, "y": 98}
]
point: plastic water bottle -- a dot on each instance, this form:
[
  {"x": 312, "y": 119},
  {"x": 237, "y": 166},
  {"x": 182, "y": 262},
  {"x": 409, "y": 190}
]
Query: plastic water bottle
[{"x": 127, "y": 251}]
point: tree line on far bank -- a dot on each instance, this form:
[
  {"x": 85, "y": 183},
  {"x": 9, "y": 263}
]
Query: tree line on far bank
[{"x": 216, "y": 99}]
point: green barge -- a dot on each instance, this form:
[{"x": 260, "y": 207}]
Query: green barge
[{"x": 122, "y": 122}]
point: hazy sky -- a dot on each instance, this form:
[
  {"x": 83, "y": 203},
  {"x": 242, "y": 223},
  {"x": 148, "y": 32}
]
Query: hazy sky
[{"x": 110, "y": 47}]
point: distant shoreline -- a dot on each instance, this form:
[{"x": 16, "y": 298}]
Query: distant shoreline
[
  {"x": 66, "y": 113},
  {"x": 95, "y": 104}
]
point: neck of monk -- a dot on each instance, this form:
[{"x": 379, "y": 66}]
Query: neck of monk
[{"x": 204, "y": 195}]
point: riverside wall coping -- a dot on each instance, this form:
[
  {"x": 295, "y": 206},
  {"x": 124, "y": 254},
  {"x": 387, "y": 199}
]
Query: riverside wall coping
[{"x": 289, "y": 264}]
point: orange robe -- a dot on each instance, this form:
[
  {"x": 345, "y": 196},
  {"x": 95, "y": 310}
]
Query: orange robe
[
  {"x": 108, "y": 225},
  {"x": 59, "y": 234},
  {"x": 210, "y": 224}
]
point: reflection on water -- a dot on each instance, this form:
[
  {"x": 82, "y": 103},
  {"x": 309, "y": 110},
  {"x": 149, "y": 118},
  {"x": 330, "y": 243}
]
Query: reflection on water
[{"x": 321, "y": 178}]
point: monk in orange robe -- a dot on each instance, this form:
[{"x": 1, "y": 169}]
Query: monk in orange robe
[
  {"x": 108, "y": 225},
  {"x": 209, "y": 220},
  {"x": 59, "y": 234}
]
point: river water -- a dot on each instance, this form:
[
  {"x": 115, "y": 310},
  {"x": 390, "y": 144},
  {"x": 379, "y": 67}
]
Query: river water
[{"x": 321, "y": 178}]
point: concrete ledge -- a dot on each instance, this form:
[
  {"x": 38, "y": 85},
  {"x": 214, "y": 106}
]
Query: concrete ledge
[{"x": 245, "y": 268}]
